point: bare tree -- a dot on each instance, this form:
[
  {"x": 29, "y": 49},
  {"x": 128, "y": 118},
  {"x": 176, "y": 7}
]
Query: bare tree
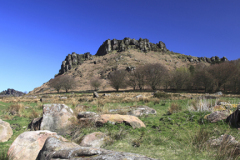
[
  {"x": 132, "y": 81},
  {"x": 180, "y": 78},
  {"x": 68, "y": 82},
  {"x": 140, "y": 76},
  {"x": 117, "y": 79},
  {"x": 56, "y": 83},
  {"x": 96, "y": 83},
  {"x": 154, "y": 74}
]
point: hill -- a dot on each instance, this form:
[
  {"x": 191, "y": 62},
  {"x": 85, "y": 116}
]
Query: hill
[
  {"x": 11, "y": 92},
  {"x": 121, "y": 54}
]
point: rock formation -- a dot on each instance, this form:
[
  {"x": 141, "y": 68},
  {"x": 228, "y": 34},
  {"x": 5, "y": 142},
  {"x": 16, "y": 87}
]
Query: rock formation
[
  {"x": 128, "y": 43},
  {"x": 72, "y": 60},
  {"x": 5, "y": 131},
  {"x": 12, "y": 92}
]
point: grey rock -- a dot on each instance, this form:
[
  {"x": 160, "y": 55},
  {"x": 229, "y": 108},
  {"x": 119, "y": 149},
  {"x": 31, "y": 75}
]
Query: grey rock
[
  {"x": 95, "y": 95},
  {"x": 56, "y": 149}
]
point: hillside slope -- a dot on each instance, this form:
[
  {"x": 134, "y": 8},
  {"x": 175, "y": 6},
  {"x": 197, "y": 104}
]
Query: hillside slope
[{"x": 121, "y": 54}]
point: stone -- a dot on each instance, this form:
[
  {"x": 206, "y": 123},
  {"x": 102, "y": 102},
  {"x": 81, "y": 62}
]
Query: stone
[
  {"x": 95, "y": 95},
  {"x": 35, "y": 124},
  {"x": 46, "y": 100},
  {"x": 87, "y": 115},
  {"x": 28, "y": 144},
  {"x": 95, "y": 139},
  {"x": 218, "y": 116},
  {"x": 57, "y": 149},
  {"x": 117, "y": 118},
  {"x": 56, "y": 117},
  {"x": 219, "y": 93},
  {"x": 5, "y": 131},
  {"x": 234, "y": 118},
  {"x": 142, "y": 110}
]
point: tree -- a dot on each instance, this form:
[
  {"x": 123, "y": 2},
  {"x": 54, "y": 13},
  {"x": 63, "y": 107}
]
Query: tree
[
  {"x": 154, "y": 74},
  {"x": 203, "y": 78},
  {"x": 96, "y": 83},
  {"x": 56, "y": 83},
  {"x": 180, "y": 78},
  {"x": 132, "y": 81},
  {"x": 117, "y": 79},
  {"x": 68, "y": 82},
  {"x": 140, "y": 77}
]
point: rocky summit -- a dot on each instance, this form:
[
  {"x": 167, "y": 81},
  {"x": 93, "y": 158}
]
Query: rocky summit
[{"x": 11, "y": 92}]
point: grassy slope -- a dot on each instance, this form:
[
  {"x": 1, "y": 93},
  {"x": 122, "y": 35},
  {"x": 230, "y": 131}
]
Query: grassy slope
[{"x": 176, "y": 136}]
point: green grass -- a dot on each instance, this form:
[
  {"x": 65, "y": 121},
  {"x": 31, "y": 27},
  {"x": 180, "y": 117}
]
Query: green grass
[{"x": 181, "y": 135}]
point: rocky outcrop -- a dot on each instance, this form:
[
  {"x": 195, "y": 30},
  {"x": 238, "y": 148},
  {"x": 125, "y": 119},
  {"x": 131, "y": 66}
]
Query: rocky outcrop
[
  {"x": 11, "y": 92},
  {"x": 57, "y": 149},
  {"x": 28, "y": 144},
  {"x": 5, "y": 131},
  {"x": 73, "y": 60},
  {"x": 128, "y": 43}
]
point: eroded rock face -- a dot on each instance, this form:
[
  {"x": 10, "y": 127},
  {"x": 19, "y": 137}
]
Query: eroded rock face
[
  {"x": 28, "y": 144},
  {"x": 95, "y": 139},
  {"x": 5, "y": 131},
  {"x": 117, "y": 118},
  {"x": 56, "y": 149},
  {"x": 56, "y": 117}
]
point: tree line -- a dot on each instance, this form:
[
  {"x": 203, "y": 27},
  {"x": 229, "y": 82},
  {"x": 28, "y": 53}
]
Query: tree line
[{"x": 216, "y": 77}]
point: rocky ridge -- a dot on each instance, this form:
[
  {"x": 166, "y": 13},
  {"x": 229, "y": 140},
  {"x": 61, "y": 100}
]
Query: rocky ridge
[
  {"x": 142, "y": 45},
  {"x": 11, "y": 92}
]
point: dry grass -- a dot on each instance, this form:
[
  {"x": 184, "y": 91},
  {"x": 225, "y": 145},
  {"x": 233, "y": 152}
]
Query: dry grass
[
  {"x": 16, "y": 109},
  {"x": 174, "y": 108}
]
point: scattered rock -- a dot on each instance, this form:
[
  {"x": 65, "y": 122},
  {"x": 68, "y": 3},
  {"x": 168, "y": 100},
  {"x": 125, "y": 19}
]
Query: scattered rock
[
  {"x": 5, "y": 131},
  {"x": 62, "y": 98},
  {"x": 56, "y": 117},
  {"x": 219, "y": 93},
  {"x": 139, "y": 96},
  {"x": 142, "y": 110},
  {"x": 95, "y": 139},
  {"x": 28, "y": 144},
  {"x": 46, "y": 100},
  {"x": 223, "y": 139},
  {"x": 106, "y": 95},
  {"x": 117, "y": 118},
  {"x": 218, "y": 116},
  {"x": 95, "y": 95},
  {"x": 87, "y": 115},
  {"x": 57, "y": 149}
]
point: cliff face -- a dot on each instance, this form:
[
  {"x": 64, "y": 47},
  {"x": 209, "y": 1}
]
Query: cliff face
[
  {"x": 73, "y": 60},
  {"x": 128, "y": 43}
]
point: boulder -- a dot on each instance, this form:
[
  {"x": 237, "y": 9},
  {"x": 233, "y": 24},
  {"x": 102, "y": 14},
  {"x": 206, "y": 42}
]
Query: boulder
[
  {"x": 35, "y": 124},
  {"x": 57, "y": 149},
  {"x": 117, "y": 118},
  {"x": 234, "y": 118},
  {"x": 56, "y": 117},
  {"x": 87, "y": 115},
  {"x": 28, "y": 144},
  {"x": 95, "y": 139},
  {"x": 218, "y": 116},
  {"x": 142, "y": 110},
  {"x": 5, "y": 131},
  {"x": 95, "y": 95}
]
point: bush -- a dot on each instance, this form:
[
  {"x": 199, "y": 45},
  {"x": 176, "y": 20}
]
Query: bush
[
  {"x": 161, "y": 95},
  {"x": 174, "y": 108},
  {"x": 16, "y": 109}
]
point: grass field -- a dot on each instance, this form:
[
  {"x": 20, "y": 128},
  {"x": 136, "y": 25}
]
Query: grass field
[{"x": 175, "y": 132}]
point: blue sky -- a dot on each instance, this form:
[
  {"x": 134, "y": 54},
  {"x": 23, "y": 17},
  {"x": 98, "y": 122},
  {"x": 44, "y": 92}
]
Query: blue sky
[{"x": 36, "y": 35}]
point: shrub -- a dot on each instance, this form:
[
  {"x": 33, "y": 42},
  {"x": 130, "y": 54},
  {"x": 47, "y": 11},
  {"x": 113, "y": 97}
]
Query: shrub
[
  {"x": 95, "y": 83},
  {"x": 161, "y": 95},
  {"x": 16, "y": 109},
  {"x": 174, "y": 108}
]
